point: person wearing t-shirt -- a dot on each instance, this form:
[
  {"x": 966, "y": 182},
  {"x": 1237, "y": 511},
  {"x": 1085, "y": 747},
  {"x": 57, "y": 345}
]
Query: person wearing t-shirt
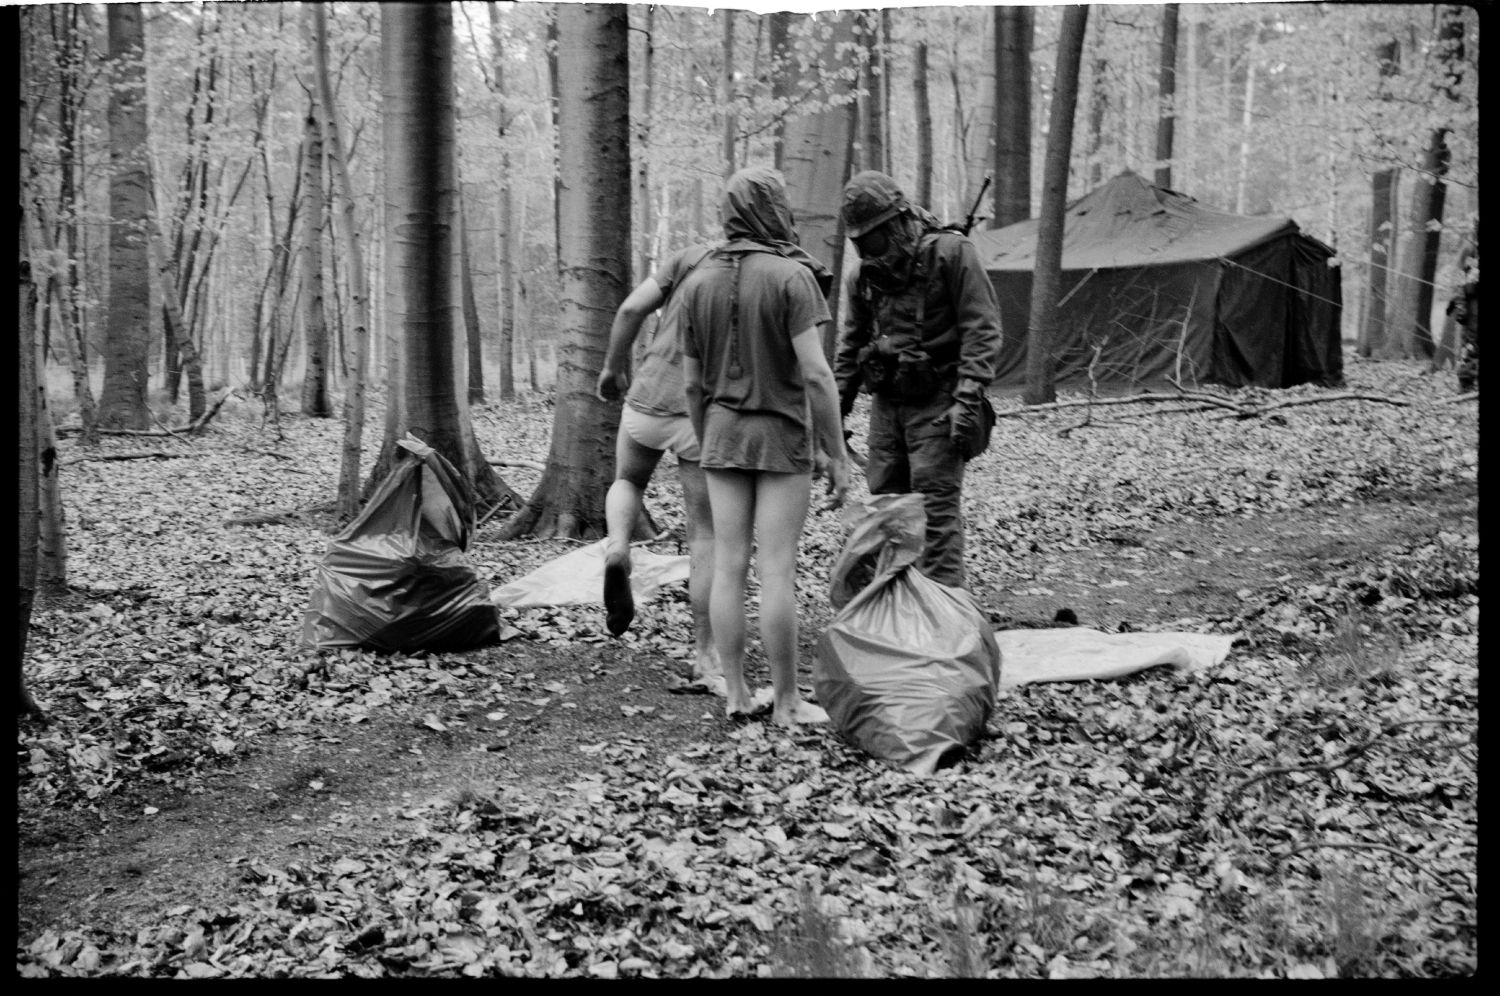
[
  {"x": 654, "y": 420},
  {"x": 763, "y": 401}
]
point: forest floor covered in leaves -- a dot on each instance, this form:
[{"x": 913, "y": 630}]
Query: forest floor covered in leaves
[{"x": 207, "y": 799}]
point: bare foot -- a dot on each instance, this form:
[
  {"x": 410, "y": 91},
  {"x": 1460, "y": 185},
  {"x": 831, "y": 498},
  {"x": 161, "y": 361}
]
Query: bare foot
[
  {"x": 747, "y": 705},
  {"x": 619, "y": 603},
  {"x": 798, "y": 713}
]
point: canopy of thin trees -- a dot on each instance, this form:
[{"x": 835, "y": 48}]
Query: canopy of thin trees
[{"x": 1338, "y": 115}]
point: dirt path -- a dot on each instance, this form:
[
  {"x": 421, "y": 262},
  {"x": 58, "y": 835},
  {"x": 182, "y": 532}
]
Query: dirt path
[{"x": 308, "y": 794}]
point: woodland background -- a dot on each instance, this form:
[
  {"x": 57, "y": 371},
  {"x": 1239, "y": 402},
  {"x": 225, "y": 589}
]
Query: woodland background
[
  {"x": 200, "y": 796},
  {"x": 1359, "y": 121}
]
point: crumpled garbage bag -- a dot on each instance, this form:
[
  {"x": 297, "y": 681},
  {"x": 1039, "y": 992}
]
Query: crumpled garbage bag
[
  {"x": 909, "y": 668},
  {"x": 577, "y": 578},
  {"x": 397, "y": 579}
]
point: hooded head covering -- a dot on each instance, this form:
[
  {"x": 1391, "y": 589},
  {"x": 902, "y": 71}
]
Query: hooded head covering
[{"x": 758, "y": 217}]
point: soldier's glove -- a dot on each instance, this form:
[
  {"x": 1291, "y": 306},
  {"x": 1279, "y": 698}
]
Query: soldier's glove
[{"x": 970, "y": 419}]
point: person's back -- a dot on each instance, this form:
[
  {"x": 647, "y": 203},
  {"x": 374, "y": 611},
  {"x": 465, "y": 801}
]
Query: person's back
[{"x": 753, "y": 302}]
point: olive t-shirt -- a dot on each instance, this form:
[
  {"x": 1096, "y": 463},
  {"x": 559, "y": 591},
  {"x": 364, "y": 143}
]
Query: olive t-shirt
[
  {"x": 749, "y": 366},
  {"x": 656, "y": 388}
]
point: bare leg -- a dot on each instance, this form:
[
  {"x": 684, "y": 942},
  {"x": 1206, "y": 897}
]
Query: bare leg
[
  {"x": 700, "y": 541},
  {"x": 732, "y": 497},
  {"x": 622, "y": 506},
  {"x": 780, "y": 510}
]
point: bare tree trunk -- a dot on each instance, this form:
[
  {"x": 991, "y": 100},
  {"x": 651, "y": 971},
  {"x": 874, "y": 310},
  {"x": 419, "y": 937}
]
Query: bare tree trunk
[
  {"x": 421, "y": 191},
  {"x": 1168, "y": 95},
  {"x": 1372, "y": 333},
  {"x": 729, "y": 125},
  {"x": 1047, "y": 280},
  {"x": 176, "y": 329},
  {"x": 28, "y": 491},
  {"x": 872, "y": 103},
  {"x": 505, "y": 237},
  {"x": 815, "y": 143},
  {"x": 1419, "y": 266},
  {"x": 594, "y": 145},
  {"x": 472, "y": 332},
  {"x": 924, "y": 126},
  {"x": 1014, "y": 27},
  {"x": 783, "y": 75},
  {"x": 645, "y": 259},
  {"x": 1098, "y": 107},
  {"x": 122, "y": 403},
  {"x": 1247, "y": 122},
  {"x": 315, "y": 400},
  {"x": 69, "y": 291},
  {"x": 359, "y": 293}
]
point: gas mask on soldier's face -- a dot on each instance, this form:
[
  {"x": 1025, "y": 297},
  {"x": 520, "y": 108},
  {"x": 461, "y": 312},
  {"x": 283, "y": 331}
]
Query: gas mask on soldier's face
[{"x": 886, "y": 254}]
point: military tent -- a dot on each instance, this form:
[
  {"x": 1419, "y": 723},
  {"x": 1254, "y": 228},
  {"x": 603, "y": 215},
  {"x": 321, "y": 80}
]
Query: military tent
[{"x": 1164, "y": 289}]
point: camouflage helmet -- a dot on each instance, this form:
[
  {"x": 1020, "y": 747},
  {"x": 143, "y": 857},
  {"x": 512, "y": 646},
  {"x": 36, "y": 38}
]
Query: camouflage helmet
[{"x": 870, "y": 200}]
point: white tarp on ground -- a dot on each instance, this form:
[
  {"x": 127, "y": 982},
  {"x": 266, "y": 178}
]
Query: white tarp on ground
[
  {"x": 577, "y": 578},
  {"x": 1077, "y": 653}
]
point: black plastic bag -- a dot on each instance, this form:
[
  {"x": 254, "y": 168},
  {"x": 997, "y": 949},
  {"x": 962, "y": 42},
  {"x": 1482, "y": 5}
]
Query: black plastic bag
[
  {"x": 396, "y": 579},
  {"x": 908, "y": 669}
]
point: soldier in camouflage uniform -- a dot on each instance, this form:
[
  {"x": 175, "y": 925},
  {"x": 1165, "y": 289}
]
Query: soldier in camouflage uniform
[{"x": 922, "y": 335}]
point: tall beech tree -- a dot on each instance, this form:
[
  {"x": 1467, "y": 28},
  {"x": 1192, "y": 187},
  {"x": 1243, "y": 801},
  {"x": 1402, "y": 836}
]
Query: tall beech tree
[
  {"x": 1167, "y": 94},
  {"x": 505, "y": 240},
  {"x": 315, "y": 400},
  {"x": 1014, "y": 27},
  {"x": 127, "y": 342},
  {"x": 1046, "y": 288},
  {"x": 28, "y": 487},
  {"x": 421, "y": 203},
  {"x": 593, "y": 256},
  {"x": 359, "y": 291},
  {"x": 1382, "y": 244},
  {"x": 1417, "y": 273}
]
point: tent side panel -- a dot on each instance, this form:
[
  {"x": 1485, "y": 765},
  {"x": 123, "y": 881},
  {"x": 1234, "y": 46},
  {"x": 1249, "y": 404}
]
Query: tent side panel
[
  {"x": 1013, "y": 291},
  {"x": 1314, "y": 345},
  {"x": 1250, "y": 325}
]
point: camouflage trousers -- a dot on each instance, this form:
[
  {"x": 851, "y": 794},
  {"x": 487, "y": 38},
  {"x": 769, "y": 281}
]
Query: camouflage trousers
[{"x": 909, "y": 453}]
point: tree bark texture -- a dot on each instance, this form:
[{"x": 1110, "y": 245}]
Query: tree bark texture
[
  {"x": 872, "y": 102},
  {"x": 1372, "y": 333},
  {"x": 473, "y": 333},
  {"x": 28, "y": 493},
  {"x": 594, "y": 164},
  {"x": 1429, "y": 192},
  {"x": 421, "y": 192},
  {"x": 505, "y": 236},
  {"x": 1014, "y": 27},
  {"x": 127, "y": 342},
  {"x": 347, "y": 500},
  {"x": 924, "y": 125},
  {"x": 315, "y": 400},
  {"x": 1041, "y": 387},
  {"x": 729, "y": 126},
  {"x": 816, "y": 143},
  {"x": 1167, "y": 90}
]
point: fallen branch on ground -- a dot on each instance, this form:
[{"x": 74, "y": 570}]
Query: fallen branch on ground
[
  {"x": 168, "y": 432},
  {"x": 1208, "y": 402},
  {"x": 1207, "y": 399},
  {"x": 139, "y": 455},
  {"x": 1471, "y": 396},
  {"x": 526, "y": 464},
  {"x": 1350, "y": 755}
]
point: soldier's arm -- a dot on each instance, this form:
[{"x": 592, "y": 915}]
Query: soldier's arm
[
  {"x": 854, "y": 334},
  {"x": 976, "y": 313}
]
